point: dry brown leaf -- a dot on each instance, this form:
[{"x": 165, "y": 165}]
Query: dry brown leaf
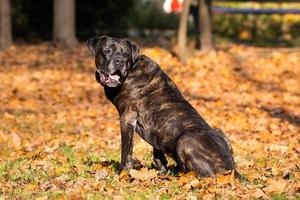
[
  {"x": 101, "y": 174},
  {"x": 208, "y": 196},
  {"x": 144, "y": 174},
  {"x": 275, "y": 186},
  {"x": 124, "y": 175},
  {"x": 75, "y": 196},
  {"x": 16, "y": 141},
  {"x": 186, "y": 178},
  {"x": 226, "y": 179},
  {"x": 2, "y": 137},
  {"x": 258, "y": 194},
  {"x": 213, "y": 189}
]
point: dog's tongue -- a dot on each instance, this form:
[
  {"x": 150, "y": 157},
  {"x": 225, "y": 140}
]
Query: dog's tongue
[{"x": 114, "y": 77}]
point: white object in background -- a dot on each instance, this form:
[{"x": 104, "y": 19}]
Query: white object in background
[{"x": 172, "y": 6}]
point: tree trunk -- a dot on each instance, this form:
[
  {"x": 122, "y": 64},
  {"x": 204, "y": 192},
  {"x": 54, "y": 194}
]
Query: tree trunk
[
  {"x": 206, "y": 40},
  {"x": 182, "y": 32},
  {"x": 64, "y": 23},
  {"x": 5, "y": 24}
]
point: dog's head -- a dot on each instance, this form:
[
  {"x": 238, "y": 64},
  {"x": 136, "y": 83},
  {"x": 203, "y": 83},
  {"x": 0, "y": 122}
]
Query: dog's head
[{"x": 114, "y": 58}]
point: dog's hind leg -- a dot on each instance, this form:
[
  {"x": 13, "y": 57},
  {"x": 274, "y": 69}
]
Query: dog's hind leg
[
  {"x": 204, "y": 152},
  {"x": 191, "y": 156},
  {"x": 160, "y": 161}
]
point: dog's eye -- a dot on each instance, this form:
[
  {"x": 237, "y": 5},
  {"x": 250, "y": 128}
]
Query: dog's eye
[{"x": 106, "y": 51}]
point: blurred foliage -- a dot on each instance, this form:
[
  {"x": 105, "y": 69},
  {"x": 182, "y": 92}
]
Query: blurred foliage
[
  {"x": 102, "y": 17},
  {"x": 149, "y": 15},
  {"x": 32, "y": 20},
  {"x": 260, "y": 29}
]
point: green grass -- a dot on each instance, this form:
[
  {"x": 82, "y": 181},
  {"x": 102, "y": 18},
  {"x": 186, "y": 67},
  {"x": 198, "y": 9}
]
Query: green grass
[
  {"x": 148, "y": 159},
  {"x": 71, "y": 163},
  {"x": 281, "y": 196},
  {"x": 70, "y": 154},
  {"x": 112, "y": 155},
  {"x": 20, "y": 170},
  {"x": 165, "y": 196},
  {"x": 258, "y": 182},
  {"x": 243, "y": 179},
  {"x": 95, "y": 196},
  {"x": 264, "y": 161},
  {"x": 91, "y": 159}
]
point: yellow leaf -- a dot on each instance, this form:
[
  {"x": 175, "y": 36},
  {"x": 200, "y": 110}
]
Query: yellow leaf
[
  {"x": 186, "y": 178},
  {"x": 213, "y": 189},
  {"x": 32, "y": 187},
  {"x": 226, "y": 179},
  {"x": 123, "y": 175}
]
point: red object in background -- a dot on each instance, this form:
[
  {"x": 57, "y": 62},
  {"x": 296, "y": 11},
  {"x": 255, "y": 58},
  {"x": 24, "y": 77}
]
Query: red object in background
[{"x": 173, "y": 6}]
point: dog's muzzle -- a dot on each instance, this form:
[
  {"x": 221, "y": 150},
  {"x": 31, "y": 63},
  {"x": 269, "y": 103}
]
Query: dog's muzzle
[{"x": 110, "y": 80}]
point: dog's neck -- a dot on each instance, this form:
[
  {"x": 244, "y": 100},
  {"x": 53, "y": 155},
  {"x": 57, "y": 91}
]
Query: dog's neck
[{"x": 112, "y": 92}]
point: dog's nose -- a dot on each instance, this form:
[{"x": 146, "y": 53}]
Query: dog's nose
[{"x": 119, "y": 61}]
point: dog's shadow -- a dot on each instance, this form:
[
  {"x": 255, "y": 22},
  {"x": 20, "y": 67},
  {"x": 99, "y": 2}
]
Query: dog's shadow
[
  {"x": 172, "y": 170},
  {"x": 114, "y": 165}
]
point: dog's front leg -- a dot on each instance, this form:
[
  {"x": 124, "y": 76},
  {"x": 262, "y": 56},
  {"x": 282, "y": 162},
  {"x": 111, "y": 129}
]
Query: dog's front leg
[
  {"x": 127, "y": 144},
  {"x": 127, "y": 130}
]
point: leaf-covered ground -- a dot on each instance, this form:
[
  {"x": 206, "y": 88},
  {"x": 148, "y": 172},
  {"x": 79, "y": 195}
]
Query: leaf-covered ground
[{"x": 59, "y": 136}]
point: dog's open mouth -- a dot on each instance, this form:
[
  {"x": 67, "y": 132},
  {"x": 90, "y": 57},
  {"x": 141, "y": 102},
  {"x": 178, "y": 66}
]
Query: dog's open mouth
[{"x": 110, "y": 80}]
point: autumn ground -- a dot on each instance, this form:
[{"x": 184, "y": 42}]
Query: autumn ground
[{"x": 59, "y": 136}]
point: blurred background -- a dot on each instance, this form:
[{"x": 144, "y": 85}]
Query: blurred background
[{"x": 272, "y": 23}]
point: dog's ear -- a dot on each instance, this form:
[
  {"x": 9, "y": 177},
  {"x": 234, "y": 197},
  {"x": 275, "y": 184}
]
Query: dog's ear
[
  {"x": 93, "y": 44},
  {"x": 135, "y": 50}
]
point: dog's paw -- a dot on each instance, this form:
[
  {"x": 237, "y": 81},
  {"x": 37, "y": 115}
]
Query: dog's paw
[
  {"x": 136, "y": 164},
  {"x": 162, "y": 171},
  {"x": 132, "y": 164}
]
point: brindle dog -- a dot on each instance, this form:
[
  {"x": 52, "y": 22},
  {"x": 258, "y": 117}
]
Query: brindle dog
[{"x": 150, "y": 104}]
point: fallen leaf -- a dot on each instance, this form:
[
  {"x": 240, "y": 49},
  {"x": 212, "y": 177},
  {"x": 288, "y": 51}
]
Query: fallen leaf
[
  {"x": 101, "y": 174},
  {"x": 208, "y": 196},
  {"x": 186, "y": 178},
  {"x": 226, "y": 179},
  {"x": 16, "y": 141},
  {"x": 258, "y": 194},
  {"x": 124, "y": 176},
  {"x": 143, "y": 174},
  {"x": 275, "y": 186}
]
